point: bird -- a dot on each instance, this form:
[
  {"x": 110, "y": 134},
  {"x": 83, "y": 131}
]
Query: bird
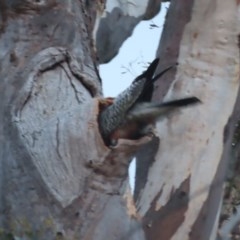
[{"x": 131, "y": 114}]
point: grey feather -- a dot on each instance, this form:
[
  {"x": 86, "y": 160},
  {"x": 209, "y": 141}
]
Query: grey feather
[
  {"x": 149, "y": 111},
  {"x": 114, "y": 115}
]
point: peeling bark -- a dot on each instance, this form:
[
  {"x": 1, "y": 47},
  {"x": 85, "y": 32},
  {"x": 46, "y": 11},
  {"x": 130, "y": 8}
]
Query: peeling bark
[
  {"x": 230, "y": 157},
  {"x": 58, "y": 179},
  {"x": 179, "y": 15},
  {"x": 192, "y": 142}
]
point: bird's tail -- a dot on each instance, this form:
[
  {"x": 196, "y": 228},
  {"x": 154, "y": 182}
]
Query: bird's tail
[
  {"x": 148, "y": 74},
  {"x": 163, "y": 72},
  {"x": 153, "y": 111}
]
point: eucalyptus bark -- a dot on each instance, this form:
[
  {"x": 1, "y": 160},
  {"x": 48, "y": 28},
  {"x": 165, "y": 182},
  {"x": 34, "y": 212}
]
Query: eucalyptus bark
[
  {"x": 58, "y": 179},
  {"x": 182, "y": 194}
]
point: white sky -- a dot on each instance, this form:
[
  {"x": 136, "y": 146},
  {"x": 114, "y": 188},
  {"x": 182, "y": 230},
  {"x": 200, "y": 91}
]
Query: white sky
[{"x": 132, "y": 59}]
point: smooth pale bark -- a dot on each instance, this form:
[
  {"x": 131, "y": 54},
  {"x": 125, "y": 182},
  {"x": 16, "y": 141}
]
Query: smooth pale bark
[
  {"x": 57, "y": 178},
  {"x": 179, "y": 14},
  {"x": 182, "y": 195}
]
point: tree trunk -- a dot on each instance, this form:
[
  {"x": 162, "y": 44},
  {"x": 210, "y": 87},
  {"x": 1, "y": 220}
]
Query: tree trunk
[
  {"x": 58, "y": 179},
  {"x": 181, "y": 196}
]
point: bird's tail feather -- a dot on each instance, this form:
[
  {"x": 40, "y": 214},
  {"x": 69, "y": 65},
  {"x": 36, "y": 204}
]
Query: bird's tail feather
[
  {"x": 153, "y": 111},
  {"x": 148, "y": 74},
  {"x": 163, "y": 72}
]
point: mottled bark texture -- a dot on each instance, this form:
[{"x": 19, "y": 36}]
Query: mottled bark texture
[
  {"x": 179, "y": 14},
  {"x": 180, "y": 195},
  {"x": 57, "y": 178},
  {"x": 231, "y": 156}
]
